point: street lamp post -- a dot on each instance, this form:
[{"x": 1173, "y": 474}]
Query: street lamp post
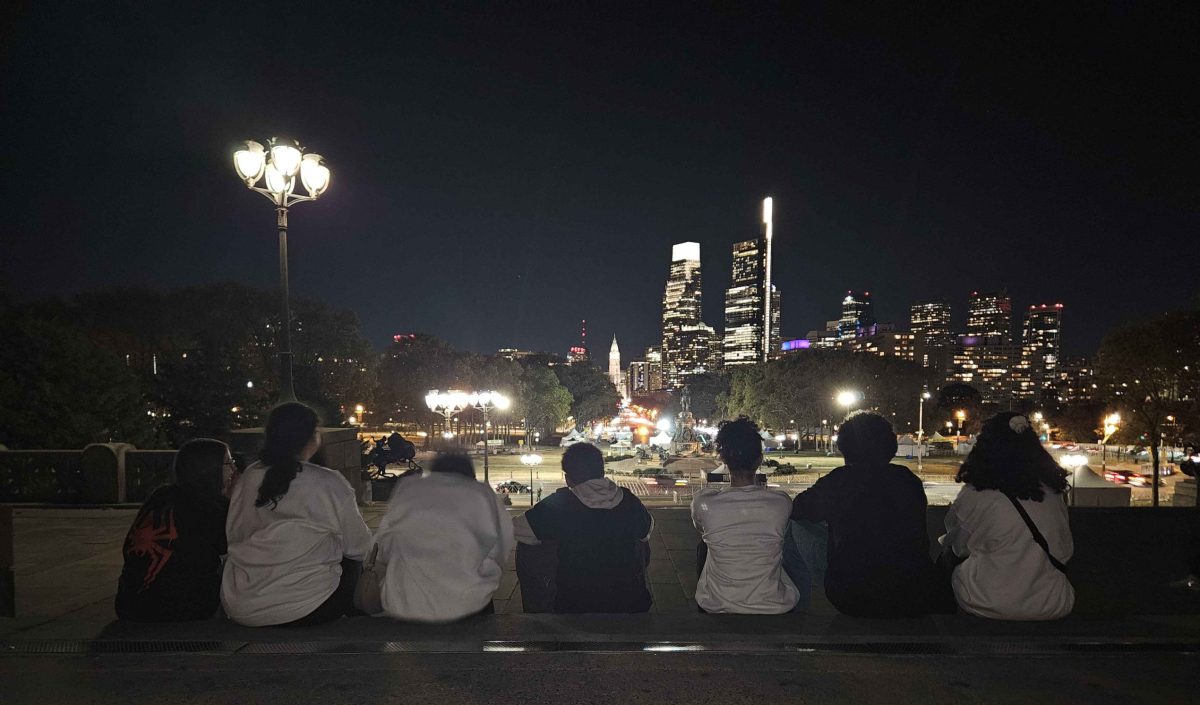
[
  {"x": 961, "y": 416},
  {"x": 278, "y": 166},
  {"x": 1112, "y": 423},
  {"x": 921, "y": 428},
  {"x": 531, "y": 461},
  {"x": 487, "y": 402},
  {"x": 447, "y": 404}
]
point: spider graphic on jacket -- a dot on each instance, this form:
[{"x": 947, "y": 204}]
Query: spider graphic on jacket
[{"x": 153, "y": 539}]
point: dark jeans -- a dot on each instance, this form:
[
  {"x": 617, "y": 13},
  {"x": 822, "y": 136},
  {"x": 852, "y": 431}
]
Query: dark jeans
[{"x": 340, "y": 603}]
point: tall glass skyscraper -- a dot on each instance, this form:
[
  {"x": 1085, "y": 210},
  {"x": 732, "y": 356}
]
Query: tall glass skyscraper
[
  {"x": 933, "y": 337},
  {"x": 752, "y": 302},
  {"x": 989, "y": 314},
  {"x": 858, "y": 315},
  {"x": 1041, "y": 350},
  {"x": 686, "y": 339}
]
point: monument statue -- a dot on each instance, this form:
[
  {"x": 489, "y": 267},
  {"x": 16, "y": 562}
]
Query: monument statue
[{"x": 686, "y": 442}]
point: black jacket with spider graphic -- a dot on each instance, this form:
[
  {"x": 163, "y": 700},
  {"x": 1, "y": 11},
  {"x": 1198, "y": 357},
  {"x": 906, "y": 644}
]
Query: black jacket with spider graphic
[{"x": 172, "y": 557}]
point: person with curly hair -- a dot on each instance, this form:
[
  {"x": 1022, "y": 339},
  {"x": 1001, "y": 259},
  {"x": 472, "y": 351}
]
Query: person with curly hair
[
  {"x": 743, "y": 528},
  {"x": 1008, "y": 530}
]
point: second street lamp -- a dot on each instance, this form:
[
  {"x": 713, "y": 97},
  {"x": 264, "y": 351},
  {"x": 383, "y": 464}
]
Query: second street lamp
[
  {"x": 921, "y": 427},
  {"x": 487, "y": 402},
  {"x": 278, "y": 168}
]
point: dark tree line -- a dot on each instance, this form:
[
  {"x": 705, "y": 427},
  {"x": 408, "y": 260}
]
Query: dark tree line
[{"x": 156, "y": 368}]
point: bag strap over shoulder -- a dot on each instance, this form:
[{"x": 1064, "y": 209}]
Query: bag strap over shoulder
[{"x": 1037, "y": 535}]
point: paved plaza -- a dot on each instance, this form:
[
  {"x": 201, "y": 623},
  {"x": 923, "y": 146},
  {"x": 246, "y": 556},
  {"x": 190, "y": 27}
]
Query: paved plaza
[{"x": 65, "y": 646}]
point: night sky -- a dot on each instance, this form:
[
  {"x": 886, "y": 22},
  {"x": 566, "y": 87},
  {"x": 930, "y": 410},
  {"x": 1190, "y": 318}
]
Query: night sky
[{"x": 501, "y": 173}]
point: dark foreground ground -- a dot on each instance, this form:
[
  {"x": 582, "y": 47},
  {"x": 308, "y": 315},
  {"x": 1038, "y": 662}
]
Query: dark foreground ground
[{"x": 65, "y": 647}]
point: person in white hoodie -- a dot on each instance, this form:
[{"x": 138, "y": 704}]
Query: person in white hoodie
[
  {"x": 1008, "y": 530},
  {"x": 442, "y": 544},
  {"x": 296, "y": 538},
  {"x": 600, "y": 530}
]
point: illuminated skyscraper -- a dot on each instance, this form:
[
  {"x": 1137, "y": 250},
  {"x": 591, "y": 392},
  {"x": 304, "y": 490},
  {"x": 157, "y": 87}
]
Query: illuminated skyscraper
[
  {"x": 1041, "y": 351},
  {"x": 752, "y": 302},
  {"x": 858, "y": 315},
  {"x": 990, "y": 315},
  {"x": 933, "y": 338},
  {"x": 614, "y": 364},
  {"x": 686, "y": 339}
]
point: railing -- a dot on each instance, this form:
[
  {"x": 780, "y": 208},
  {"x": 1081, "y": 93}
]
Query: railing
[{"x": 44, "y": 476}]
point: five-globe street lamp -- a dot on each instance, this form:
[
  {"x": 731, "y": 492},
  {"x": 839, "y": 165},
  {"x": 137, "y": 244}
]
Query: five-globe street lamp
[
  {"x": 277, "y": 166},
  {"x": 961, "y": 416},
  {"x": 487, "y": 402},
  {"x": 447, "y": 404},
  {"x": 531, "y": 461}
]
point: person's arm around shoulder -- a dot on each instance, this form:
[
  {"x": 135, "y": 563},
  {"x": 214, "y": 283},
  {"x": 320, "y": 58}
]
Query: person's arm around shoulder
[{"x": 818, "y": 502}]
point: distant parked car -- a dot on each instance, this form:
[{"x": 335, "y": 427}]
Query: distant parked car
[{"x": 512, "y": 487}]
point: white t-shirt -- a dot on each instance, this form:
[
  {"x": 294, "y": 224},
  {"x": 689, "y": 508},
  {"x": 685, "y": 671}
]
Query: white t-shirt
[
  {"x": 1006, "y": 574},
  {"x": 444, "y": 539},
  {"x": 744, "y": 529},
  {"x": 285, "y": 561}
]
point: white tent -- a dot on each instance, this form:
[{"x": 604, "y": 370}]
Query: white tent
[
  {"x": 662, "y": 440},
  {"x": 906, "y": 446},
  {"x": 572, "y": 438}
]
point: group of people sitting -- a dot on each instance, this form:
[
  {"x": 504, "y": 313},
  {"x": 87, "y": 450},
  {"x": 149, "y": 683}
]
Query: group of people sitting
[
  {"x": 284, "y": 544},
  {"x": 860, "y": 531}
]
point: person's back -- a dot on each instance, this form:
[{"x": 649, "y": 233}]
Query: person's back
[
  {"x": 288, "y": 534},
  {"x": 878, "y": 547},
  {"x": 743, "y": 527},
  {"x": 598, "y": 527},
  {"x": 444, "y": 541},
  {"x": 1004, "y": 573},
  {"x": 172, "y": 552}
]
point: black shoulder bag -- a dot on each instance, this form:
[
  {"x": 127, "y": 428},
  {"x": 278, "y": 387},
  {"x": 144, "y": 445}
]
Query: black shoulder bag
[{"x": 1037, "y": 535}]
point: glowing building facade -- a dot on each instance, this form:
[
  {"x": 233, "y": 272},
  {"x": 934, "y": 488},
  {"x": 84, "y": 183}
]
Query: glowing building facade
[
  {"x": 614, "y": 364},
  {"x": 858, "y": 315},
  {"x": 752, "y": 302},
  {"x": 1041, "y": 351},
  {"x": 989, "y": 315},
  {"x": 933, "y": 337},
  {"x": 686, "y": 340}
]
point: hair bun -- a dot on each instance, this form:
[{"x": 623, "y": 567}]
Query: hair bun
[{"x": 1019, "y": 424}]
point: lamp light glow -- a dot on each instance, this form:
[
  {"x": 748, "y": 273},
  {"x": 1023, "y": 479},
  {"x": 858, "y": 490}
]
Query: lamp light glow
[
  {"x": 314, "y": 175},
  {"x": 250, "y": 162},
  {"x": 277, "y": 183},
  {"x": 285, "y": 156}
]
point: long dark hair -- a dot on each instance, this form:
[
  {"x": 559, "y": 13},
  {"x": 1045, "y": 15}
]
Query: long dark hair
[
  {"x": 289, "y": 429},
  {"x": 1009, "y": 457},
  {"x": 198, "y": 466}
]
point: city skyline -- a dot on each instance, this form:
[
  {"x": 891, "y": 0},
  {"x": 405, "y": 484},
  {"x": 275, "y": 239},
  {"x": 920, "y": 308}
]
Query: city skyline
[{"x": 545, "y": 164}]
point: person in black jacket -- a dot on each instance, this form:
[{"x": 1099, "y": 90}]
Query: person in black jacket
[
  {"x": 879, "y": 561},
  {"x": 173, "y": 550},
  {"x": 601, "y": 532}
]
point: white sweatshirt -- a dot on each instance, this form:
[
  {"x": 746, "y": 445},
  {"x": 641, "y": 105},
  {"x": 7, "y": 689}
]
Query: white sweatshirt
[
  {"x": 284, "y": 562},
  {"x": 744, "y": 528},
  {"x": 1006, "y": 575},
  {"x": 444, "y": 540}
]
